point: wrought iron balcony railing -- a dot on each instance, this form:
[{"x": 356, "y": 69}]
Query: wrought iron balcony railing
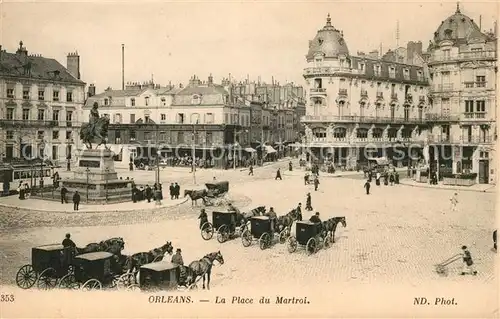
[{"x": 27, "y": 123}]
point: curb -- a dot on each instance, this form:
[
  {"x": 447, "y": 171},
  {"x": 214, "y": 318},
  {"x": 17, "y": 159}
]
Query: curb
[
  {"x": 449, "y": 189},
  {"x": 93, "y": 212}
]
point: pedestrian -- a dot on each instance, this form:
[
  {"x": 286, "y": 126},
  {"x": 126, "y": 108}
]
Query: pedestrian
[
  {"x": 149, "y": 193},
  {"x": 250, "y": 170},
  {"x": 391, "y": 179},
  {"x": 203, "y": 218},
  {"x": 290, "y": 166},
  {"x": 454, "y": 202},
  {"x": 298, "y": 211},
  {"x": 468, "y": 263},
  {"x": 172, "y": 190},
  {"x": 20, "y": 190},
  {"x": 396, "y": 178},
  {"x": 134, "y": 194},
  {"x": 306, "y": 178},
  {"x": 76, "y": 200},
  {"x": 370, "y": 175},
  {"x": 131, "y": 166},
  {"x": 177, "y": 189},
  {"x": 316, "y": 183},
  {"x": 367, "y": 187},
  {"x": 308, "y": 202},
  {"x": 278, "y": 175},
  {"x": 64, "y": 191},
  {"x": 386, "y": 179},
  {"x": 377, "y": 179}
]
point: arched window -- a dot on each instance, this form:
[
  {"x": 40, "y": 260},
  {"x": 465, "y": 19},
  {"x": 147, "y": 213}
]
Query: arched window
[
  {"x": 362, "y": 133},
  {"x": 406, "y": 133},
  {"x": 195, "y": 117},
  {"x": 319, "y": 132},
  {"x": 377, "y": 132},
  {"x": 393, "y": 132},
  {"x": 362, "y": 107},
  {"x": 339, "y": 132},
  {"x": 407, "y": 112}
]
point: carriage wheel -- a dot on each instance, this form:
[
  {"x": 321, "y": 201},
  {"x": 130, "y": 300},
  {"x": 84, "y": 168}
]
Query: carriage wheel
[
  {"x": 126, "y": 280},
  {"x": 26, "y": 277},
  {"x": 246, "y": 238},
  {"x": 284, "y": 235},
  {"x": 207, "y": 231},
  {"x": 222, "y": 234},
  {"x": 265, "y": 241},
  {"x": 47, "y": 279},
  {"x": 69, "y": 282},
  {"x": 92, "y": 284},
  {"x": 327, "y": 241},
  {"x": 134, "y": 287},
  {"x": 292, "y": 244},
  {"x": 311, "y": 246}
]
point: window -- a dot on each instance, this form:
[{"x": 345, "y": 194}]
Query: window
[
  {"x": 208, "y": 138},
  {"x": 55, "y": 135},
  {"x": 41, "y": 95},
  {"x": 393, "y": 110},
  {"x": 69, "y": 116},
  {"x": 133, "y": 135},
  {"x": 446, "y": 54},
  {"x": 318, "y": 84},
  {"x": 132, "y": 118},
  {"x": 362, "y": 67},
  {"x": 54, "y": 152},
  {"x": 68, "y": 135},
  {"x": 406, "y": 112},
  {"x": 362, "y": 133},
  {"x": 319, "y": 132},
  {"x": 10, "y": 135},
  {"x": 180, "y": 137},
  {"x": 26, "y": 94},
  {"x": 146, "y": 100},
  {"x": 377, "y": 70},
  {"x": 377, "y": 133},
  {"x": 226, "y": 118},
  {"x": 40, "y": 135},
  {"x": 163, "y": 101},
  {"x": 69, "y": 96},
  {"x": 132, "y": 101},
  {"x": 420, "y": 76},
  {"x": 195, "y": 118},
  {"x": 392, "y": 72},
  {"x": 55, "y": 96},
  {"x": 339, "y": 132},
  {"x": 209, "y": 118},
  {"x": 476, "y": 49},
  {"x": 10, "y": 93},
  {"x": 118, "y": 118},
  {"x": 146, "y": 119},
  {"x": 180, "y": 118},
  {"x": 41, "y": 115},
  {"x": 480, "y": 106},
  {"x": 10, "y": 114},
  {"x": 106, "y": 102},
  {"x": 55, "y": 115},
  {"x": 469, "y": 106},
  {"x": 480, "y": 81},
  {"x": 406, "y": 74},
  {"x": 163, "y": 117},
  {"x": 147, "y": 136},
  {"x": 26, "y": 114}
]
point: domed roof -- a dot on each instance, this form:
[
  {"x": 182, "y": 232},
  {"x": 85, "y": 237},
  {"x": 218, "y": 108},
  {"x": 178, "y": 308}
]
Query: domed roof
[
  {"x": 328, "y": 41},
  {"x": 457, "y": 27}
]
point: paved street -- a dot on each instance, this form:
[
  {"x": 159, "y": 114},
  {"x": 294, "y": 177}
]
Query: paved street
[{"x": 395, "y": 235}]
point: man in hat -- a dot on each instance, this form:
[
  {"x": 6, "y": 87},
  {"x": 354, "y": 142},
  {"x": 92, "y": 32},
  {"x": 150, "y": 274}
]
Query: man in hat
[
  {"x": 177, "y": 258},
  {"x": 203, "y": 217},
  {"x": 454, "y": 202},
  {"x": 367, "y": 187},
  {"x": 76, "y": 200},
  {"x": 69, "y": 249},
  {"x": 250, "y": 170},
  {"x": 67, "y": 242},
  {"x": 316, "y": 183},
  {"x": 468, "y": 263},
  {"x": 278, "y": 175},
  {"x": 298, "y": 211},
  {"x": 308, "y": 202},
  {"x": 315, "y": 218}
]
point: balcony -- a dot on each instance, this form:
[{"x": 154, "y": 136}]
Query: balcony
[
  {"x": 447, "y": 87},
  {"x": 394, "y": 96},
  {"x": 318, "y": 71},
  {"x": 380, "y": 95},
  {"x": 26, "y": 123},
  {"x": 485, "y": 139},
  {"x": 342, "y": 92},
  {"x": 361, "y": 119},
  {"x": 473, "y": 116},
  {"x": 435, "y": 117},
  {"x": 472, "y": 55},
  {"x": 318, "y": 91},
  {"x": 364, "y": 93}
]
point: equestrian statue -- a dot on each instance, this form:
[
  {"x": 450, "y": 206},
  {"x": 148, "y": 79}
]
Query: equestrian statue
[{"x": 96, "y": 129}]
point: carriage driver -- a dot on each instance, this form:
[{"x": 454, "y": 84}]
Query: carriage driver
[
  {"x": 69, "y": 249},
  {"x": 315, "y": 218},
  {"x": 272, "y": 216},
  {"x": 203, "y": 217},
  {"x": 177, "y": 259}
]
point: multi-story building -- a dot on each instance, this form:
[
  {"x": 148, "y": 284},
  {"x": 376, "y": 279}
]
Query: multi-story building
[
  {"x": 462, "y": 66},
  {"x": 40, "y": 106},
  {"x": 361, "y": 106}
]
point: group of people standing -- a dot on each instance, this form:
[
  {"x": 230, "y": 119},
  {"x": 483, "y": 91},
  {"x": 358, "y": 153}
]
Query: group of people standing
[{"x": 174, "y": 190}]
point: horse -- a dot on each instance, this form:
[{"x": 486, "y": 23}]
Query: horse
[
  {"x": 287, "y": 220},
  {"x": 330, "y": 225},
  {"x": 99, "y": 132},
  {"x": 242, "y": 218},
  {"x": 89, "y": 248},
  {"x": 195, "y": 195},
  {"x": 113, "y": 245},
  {"x": 203, "y": 267},
  {"x": 135, "y": 261},
  {"x": 495, "y": 240}
]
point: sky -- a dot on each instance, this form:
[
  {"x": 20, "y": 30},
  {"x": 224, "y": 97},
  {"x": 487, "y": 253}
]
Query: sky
[{"x": 171, "y": 41}]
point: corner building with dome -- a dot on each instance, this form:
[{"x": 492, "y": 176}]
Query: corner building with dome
[{"x": 394, "y": 106}]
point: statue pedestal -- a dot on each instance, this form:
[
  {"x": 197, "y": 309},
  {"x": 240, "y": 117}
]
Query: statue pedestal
[{"x": 96, "y": 180}]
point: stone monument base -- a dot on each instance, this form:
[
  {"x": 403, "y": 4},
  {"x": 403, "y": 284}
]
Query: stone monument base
[{"x": 96, "y": 180}]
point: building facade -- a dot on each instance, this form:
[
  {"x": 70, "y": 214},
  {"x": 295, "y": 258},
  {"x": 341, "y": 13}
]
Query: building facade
[
  {"x": 40, "y": 106},
  {"x": 362, "y": 106},
  {"x": 462, "y": 65}
]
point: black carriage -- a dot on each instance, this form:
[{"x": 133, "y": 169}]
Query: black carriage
[
  {"x": 161, "y": 275},
  {"x": 92, "y": 271},
  {"x": 224, "y": 223},
  {"x": 309, "y": 235},
  {"x": 262, "y": 228},
  {"x": 217, "y": 189},
  {"x": 49, "y": 263}
]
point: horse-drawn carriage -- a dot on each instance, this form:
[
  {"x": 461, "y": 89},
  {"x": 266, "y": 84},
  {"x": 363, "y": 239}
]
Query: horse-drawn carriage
[
  {"x": 225, "y": 222},
  {"x": 215, "y": 191},
  {"x": 309, "y": 235},
  {"x": 48, "y": 265},
  {"x": 263, "y": 229},
  {"x": 160, "y": 275}
]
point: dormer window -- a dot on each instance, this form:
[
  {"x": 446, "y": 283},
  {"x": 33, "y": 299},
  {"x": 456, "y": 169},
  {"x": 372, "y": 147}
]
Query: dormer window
[
  {"x": 320, "y": 41},
  {"x": 196, "y": 99},
  {"x": 406, "y": 74},
  {"x": 377, "y": 69},
  {"x": 392, "y": 72},
  {"x": 362, "y": 67},
  {"x": 132, "y": 101},
  {"x": 106, "y": 101},
  {"x": 420, "y": 75},
  {"x": 146, "y": 100}
]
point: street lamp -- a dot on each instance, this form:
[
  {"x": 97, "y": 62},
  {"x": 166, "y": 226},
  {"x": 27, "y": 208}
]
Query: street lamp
[
  {"x": 42, "y": 156},
  {"x": 87, "y": 170},
  {"x": 106, "y": 185}
]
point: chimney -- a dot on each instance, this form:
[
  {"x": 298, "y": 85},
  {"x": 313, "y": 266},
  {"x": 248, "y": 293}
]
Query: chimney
[
  {"x": 91, "y": 91},
  {"x": 210, "y": 80},
  {"x": 373, "y": 54},
  {"x": 22, "y": 52},
  {"x": 123, "y": 67},
  {"x": 73, "y": 64}
]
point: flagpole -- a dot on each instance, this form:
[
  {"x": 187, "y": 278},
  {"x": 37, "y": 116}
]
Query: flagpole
[{"x": 193, "y": 153}]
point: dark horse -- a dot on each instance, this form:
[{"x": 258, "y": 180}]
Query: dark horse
[
  {"x": 112, "y": 245},
  {"x": 495, "y": 240},
  {"x": 330, "y": 225},
  {"x": 99, "y": 133},
  {"x": 137, "y": 260},
  {"x": 195, "y": 195},
  {"x": 203, "y": 267},
  {"x": 243, "y": 218},
  {"x": 286, "y": 221}
]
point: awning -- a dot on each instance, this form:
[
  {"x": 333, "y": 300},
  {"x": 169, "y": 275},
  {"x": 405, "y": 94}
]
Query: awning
[
  {"x": 380, "y": 160},
  {"x": 250, "y": 150},
  {"x": 269, "y": 149}
]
